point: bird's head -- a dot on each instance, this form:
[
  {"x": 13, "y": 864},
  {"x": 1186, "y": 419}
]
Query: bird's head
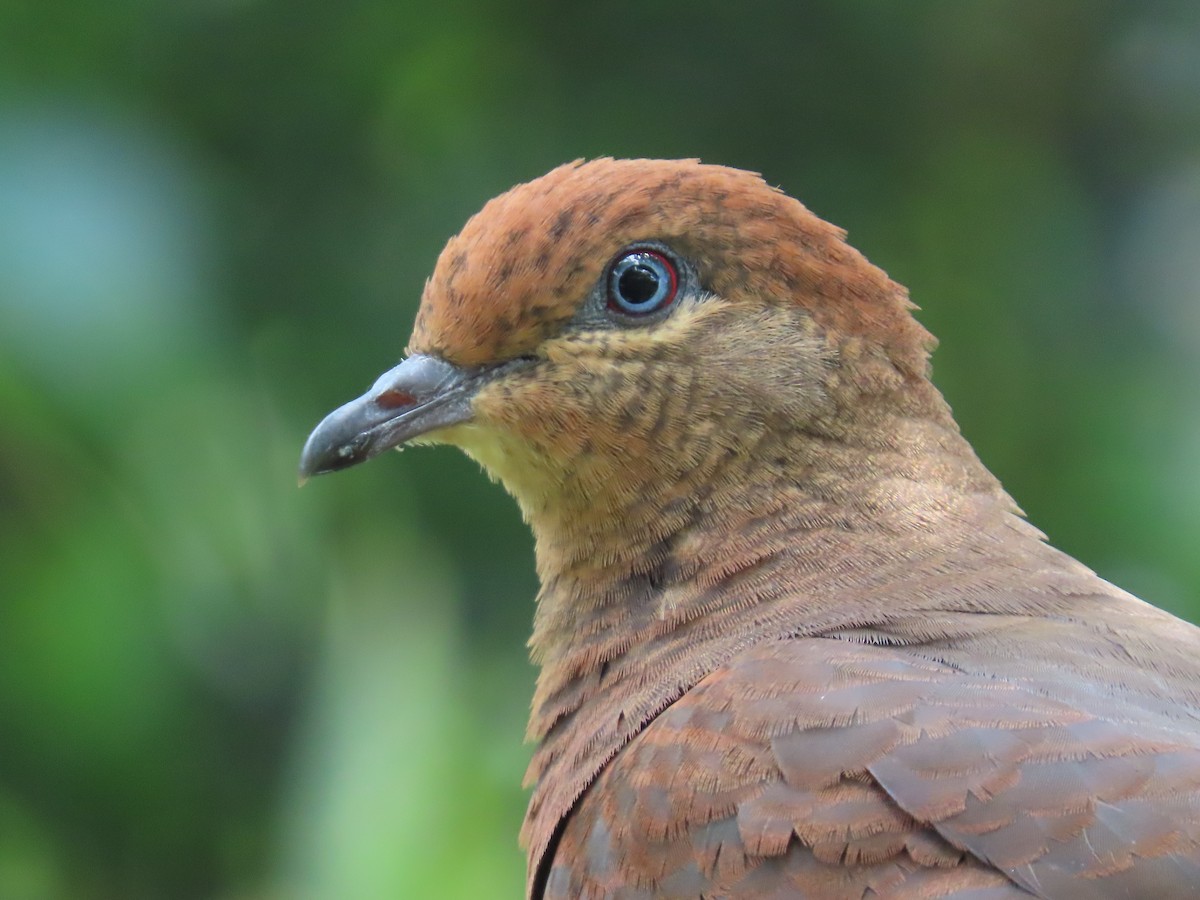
[{"x": 619, "y": 327}]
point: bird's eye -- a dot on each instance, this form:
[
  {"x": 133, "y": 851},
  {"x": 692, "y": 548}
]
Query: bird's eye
[{"x": 640, "y": 282}]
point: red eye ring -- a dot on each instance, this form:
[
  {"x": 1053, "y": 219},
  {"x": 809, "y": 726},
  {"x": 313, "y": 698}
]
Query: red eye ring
[{"x": 641, "y": 281}]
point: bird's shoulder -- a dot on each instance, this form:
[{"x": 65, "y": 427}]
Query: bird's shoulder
[{"x": 829, "y": 768}]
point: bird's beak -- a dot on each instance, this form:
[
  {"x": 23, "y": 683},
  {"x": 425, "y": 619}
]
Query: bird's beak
[{"x": 419, "y": 395}]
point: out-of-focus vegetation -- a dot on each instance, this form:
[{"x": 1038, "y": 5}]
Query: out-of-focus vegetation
[{"x": 215, "y": 219}]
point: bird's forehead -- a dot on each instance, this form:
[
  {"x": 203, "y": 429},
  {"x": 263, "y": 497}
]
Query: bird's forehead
[{"x": 520, "y": 267}]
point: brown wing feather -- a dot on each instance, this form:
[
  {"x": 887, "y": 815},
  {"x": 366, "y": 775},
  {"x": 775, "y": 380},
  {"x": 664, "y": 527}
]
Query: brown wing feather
[{"x": 826, "y": 769}]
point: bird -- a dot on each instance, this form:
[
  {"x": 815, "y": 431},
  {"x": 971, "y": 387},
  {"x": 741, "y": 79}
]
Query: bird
[{"x": 794, "y": 639}]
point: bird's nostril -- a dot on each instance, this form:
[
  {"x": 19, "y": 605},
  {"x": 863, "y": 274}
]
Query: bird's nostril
[{"x": 394, "y": 399}]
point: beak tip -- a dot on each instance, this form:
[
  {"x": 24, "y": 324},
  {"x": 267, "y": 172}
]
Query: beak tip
[
  {"x": 310, "y": 463},
  {"x": 320, "y": 455},
  {"x": 327, "y": 450}
]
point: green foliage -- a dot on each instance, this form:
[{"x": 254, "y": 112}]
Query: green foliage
[{"x": 215, "y": 220}]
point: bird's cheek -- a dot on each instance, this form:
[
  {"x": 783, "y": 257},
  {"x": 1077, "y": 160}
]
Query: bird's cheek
[
  {"x": 528, "y": 439},
  {"x": 537, "y": 410}
]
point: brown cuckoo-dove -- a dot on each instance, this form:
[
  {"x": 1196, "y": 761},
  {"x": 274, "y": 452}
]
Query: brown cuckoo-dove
[{"x": 795, "y": 640}]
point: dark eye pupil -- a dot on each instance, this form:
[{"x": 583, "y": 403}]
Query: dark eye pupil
[{"x": 638, "y": 284}]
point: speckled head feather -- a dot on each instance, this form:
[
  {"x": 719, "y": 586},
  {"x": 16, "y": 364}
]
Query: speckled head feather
[{"x": 519, "y": 268}]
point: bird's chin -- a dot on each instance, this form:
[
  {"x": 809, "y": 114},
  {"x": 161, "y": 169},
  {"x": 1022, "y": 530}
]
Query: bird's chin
[{"x": 505, "y": 457}]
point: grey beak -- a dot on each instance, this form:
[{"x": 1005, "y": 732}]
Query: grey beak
[{"x": 417, "y": 396}]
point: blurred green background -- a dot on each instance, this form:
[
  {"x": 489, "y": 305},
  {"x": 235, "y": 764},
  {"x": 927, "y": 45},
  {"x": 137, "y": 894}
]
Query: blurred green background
[{"x": 215, "y": 219}]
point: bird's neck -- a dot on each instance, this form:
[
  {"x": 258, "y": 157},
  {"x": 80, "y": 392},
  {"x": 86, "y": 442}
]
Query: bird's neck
[
  {"x": 655, "y": 575},
  {"x": 801, "y": 531}
]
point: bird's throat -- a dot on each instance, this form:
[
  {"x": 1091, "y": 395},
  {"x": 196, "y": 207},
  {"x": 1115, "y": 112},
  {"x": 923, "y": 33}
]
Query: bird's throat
[
  {"x": 742, "y": 543},
  {"x": 810, "y": 536}
]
